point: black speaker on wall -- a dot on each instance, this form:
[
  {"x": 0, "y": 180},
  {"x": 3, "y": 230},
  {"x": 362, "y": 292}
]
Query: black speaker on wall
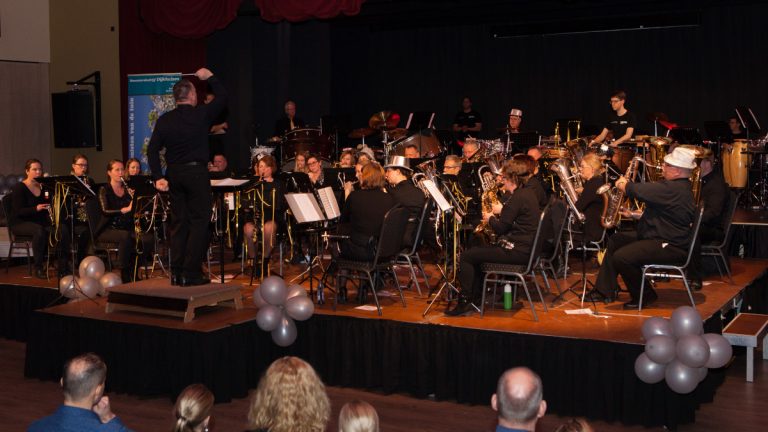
[{"x": 73, "y": 119}]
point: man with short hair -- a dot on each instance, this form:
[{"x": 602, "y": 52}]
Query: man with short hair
[
  {"x": 471, "y": 151},
  {"x": 290, "y": 121},
  {"x": 519, "y": 400},
  {"x": 85, "y": 407},
  {"x": 412, "y": 152},
  {"x": 452, "y": 165},
  {"x": 622, "y": 123}
]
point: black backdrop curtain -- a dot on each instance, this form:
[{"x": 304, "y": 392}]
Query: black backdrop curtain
[{"x": 693, "y": 74}]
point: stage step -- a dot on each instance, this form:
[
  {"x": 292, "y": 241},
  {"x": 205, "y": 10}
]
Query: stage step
[{"x": 746, "y": 330}]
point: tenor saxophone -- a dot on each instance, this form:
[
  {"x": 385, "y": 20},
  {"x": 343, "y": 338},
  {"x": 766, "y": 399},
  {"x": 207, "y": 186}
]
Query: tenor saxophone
[{"x": 613, "y": 197}]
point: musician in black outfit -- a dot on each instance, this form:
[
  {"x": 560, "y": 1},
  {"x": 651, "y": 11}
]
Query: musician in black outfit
[
  {"x": 533, "y": 182},
  {"x": 116, "y": 202},
  {"x": 183, "y": 132},
  {"x": 467, "y": 122},
  {"x": 590, "y": 204},
  {"x": 82, "y": 234},
  {"x": 515, "y": 221},
  {"x": 30, "y": 216},
  {"x": 289, "y": 122},
  {"x": 398, "y": 174},
  {"x": 621, "y": 124},
  {"x": 663, "y": 232},
  {"x": 268, "y": 198}
]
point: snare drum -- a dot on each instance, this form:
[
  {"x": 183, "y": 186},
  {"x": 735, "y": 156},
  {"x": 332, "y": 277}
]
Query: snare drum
[{"x": 736, "y": 164}]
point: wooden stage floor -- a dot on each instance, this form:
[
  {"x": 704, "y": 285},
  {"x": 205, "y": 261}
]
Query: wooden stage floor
[{"x": 611, "y": 324}]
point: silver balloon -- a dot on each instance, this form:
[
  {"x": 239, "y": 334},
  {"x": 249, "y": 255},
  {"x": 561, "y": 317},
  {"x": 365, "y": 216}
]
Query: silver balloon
[
  {"x": 295, "y": 291},
  {"x": 681, "y": 378},
  {"x": 702, "y": 373},
  {"x": 720, "y": 350},
  {"x": 84, "y": 264},
  {"x": 285, "y": 334},
  {"x": 656, "y": 326},
  {"x": 268, "y": 317},
  {"x": 89, "y": 287},
  {"x": 258, "y": 300},
  {"x": 299, "y": 308},
  {"x": 92, "y": 267},
  {"x": 67, "y": 286},
  {"x": 648, "y": 370},
  {"x": 686, "y": 321},
  {"x": 692, "y": 351},
  {"x": 273, "y": 290},
  {"x": 660, "y": 349},
  {"x": 109, "y": 280}
]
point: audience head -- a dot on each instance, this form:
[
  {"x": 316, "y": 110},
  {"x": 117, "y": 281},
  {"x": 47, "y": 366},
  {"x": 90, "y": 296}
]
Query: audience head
[
  {"x": 193, "y": 409},
  {"x": 372, "y": 176},
  {"x": 290, "y": 397},
  {"x": 133, "y": 167},
  {"x": 519, "y": 399},
  {"x": 83, "y": 380},
  {"x": 184, "y": 93},
  {"x": 452, "y": 165},
  {"x": 574, "y": 425},
  {"x": 33, "y": 168},
  {"x": 358, "y": 416},
  {"x": 79, "y": 165}
]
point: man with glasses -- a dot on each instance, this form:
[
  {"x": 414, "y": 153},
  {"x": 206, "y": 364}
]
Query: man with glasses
[{"x": 622, "y": 123}]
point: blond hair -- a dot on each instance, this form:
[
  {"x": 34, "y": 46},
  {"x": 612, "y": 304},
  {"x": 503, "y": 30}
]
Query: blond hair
[
  {"x": 594, "y": 161},
  {"x": 192, "y": 407},
  {"x": 358, "y": 416},
  {"x": 290, "y": 397}
]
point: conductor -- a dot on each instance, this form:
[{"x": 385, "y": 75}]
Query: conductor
[{"x": 183, "y": 133}]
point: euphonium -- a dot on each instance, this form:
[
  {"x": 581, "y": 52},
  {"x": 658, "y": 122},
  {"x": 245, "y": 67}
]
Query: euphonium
[
  {"x": 613, "y": 197},
  {"x": 488, "y": 199},
  {"x": 561, "y": 167}
]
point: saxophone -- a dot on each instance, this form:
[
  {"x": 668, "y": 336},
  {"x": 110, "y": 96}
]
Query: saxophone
[
  {"x": 613, "y": 197},
  {"x": 561, "y": 167},
  {"x": 488, "y": 199}
]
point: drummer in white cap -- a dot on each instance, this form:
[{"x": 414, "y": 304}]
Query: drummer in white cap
[{"x": 515, "y": 119}]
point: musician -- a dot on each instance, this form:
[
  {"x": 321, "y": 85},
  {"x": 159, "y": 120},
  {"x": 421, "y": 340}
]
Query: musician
[
  {"x": 398, "y": 175},
  {"x": 269, "y": 205},
  {"x": 734, "y": 124},
  {"x": 663, "y": 231},
  {"x": 31, "y": 216},
  {"x": 622, "y": 123},
  {"x": 300, "y": 162},
  {"x": 82, "y": 234},
  {"x": 515, "y": 221},
  {"x": 363, "y": 214},
  {"x": 132, "y": 167},
  {"x": 452, "y": 165},
  {"x": 116, "y": 202},
  {"x": 515, "y": 120},
  {"x": 290, "y": 121},
  {"x": 183, "y": 132},
  {"x": 467, "y": 122},
  {"x": 315, "y": 171},
  {"x": 364, "y": 154},
  {"x": 533, "y": 182},
  {"x": 347, "y": 159},
  {"x": 220, "y": 165},
  {"x": 471, "y": 151},
  {"x": 412, "y": 152},
  {"x": 589, "y": 203},
  {"x": 350, "y": 186}
]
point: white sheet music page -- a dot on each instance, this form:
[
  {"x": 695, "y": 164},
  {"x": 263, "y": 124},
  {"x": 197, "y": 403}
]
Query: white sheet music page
[
  {"x": 304, "y": 207},
  {"x": 228, "y": 182},
  {"x": 328, "y": 200},
  {"x": 442, "y": 203}
]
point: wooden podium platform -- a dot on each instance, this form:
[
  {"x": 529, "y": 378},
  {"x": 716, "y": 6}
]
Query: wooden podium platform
[{"x": 157, "y": 296}]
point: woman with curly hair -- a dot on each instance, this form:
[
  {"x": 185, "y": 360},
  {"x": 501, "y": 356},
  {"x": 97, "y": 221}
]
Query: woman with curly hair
[
  {"x": 290, "y": 398},
  {"x": 193, "y": 409}
]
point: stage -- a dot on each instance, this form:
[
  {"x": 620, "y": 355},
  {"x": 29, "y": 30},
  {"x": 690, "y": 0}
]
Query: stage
[{"x": 586, "y": 361}]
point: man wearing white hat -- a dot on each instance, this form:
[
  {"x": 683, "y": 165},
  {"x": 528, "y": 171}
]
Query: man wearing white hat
[
  {"x": 663, "y": 232},
  {"x": 398, "y": 174}
]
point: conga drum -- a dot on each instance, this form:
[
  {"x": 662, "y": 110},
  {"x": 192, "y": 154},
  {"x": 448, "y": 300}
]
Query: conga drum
[{"x": 736, "y": 164}]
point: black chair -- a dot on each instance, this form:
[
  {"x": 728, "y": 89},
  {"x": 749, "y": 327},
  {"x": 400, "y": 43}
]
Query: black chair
[
  {"x": 558, "y": 217},
  {"x": 95, "y": 221},
  {"x": 516, "y": 273},
  {"x": 410, "y": 256},
  {"x": 389, "y": 245},
  {"x": 16, "y": 241},
  {"x": 718, "y": 250},
  {"x": 662, "y": 270}
]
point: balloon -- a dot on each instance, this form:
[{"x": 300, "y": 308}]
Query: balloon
[
  {"x": 656, "y": 326},
  {"x": 67, "y": 286},
  {"x": 285, "y": 333},
  {"x": 681, "y": 378},
  {"x": 268, "y": 317},
  {"x": 258, "y": 300},
  {"x": 273, "y": 290},
  {"x": 92, "y": 267},
  {"x": 299, "y": 308},
  {"x": 692, "y": 351},
  {"x": 660, "y": 349},
  {"x": 720, "y": 350},
  {"x": 702, "y": 373},
  {"x": 647, "y": 370},
  {"x": 89, "y": 287},
  {"x": 109, "y": 280},
  {"x": 295, "y": 291},
  {"x": 686, "y": 321}
]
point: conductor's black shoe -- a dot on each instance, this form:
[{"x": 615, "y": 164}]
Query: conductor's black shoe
[
  {"x": 650, "y": 297},
  {"x": 194, "y": 281},
  {"x": 695, "y": 284},
  {"x": 40, "y": 273}
]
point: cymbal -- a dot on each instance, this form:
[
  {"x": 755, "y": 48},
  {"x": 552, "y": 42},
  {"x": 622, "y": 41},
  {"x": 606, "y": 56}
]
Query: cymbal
[
  {"x": 384, "y": 120},
  {"x": 398, "y": 133},
  {"x": 657, "y": 116},
  {"x": 361, "y": 132}
]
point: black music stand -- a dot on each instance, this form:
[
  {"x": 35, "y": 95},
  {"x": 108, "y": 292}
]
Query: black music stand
[
  {"x": 219, "y": 188},
  {"x": 748, "y": 119},
  {"x": 520, "y": 142},
  {"x": 336, "y": 177}
]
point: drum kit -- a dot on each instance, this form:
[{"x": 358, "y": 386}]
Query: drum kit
[
  {"x": 744, "y": 162},
  {"x": 394, "y": 140}
]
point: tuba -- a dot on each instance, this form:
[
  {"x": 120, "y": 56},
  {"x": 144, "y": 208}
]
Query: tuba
[
  {"x": 561, "y": 167},
  {"x": 613, "y": 197}
]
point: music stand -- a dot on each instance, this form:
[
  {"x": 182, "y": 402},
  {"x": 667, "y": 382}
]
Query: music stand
[
  {"x": 220, "y": 187},
  {"x": 340, "y": 175},
  {"x": 516, "y": 142},
  {"x": 747, "y": 119},
  {"x": 686, "y": 135},
  {"x": 420, "y": 120}
]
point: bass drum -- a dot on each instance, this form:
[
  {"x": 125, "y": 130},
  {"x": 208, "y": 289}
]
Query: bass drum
[
  {"x": 307, "y": 140},
  {"x": 428, "y": 143},
  {"x": 621, "y": 157},
  {"x": 736, "y": 164}
]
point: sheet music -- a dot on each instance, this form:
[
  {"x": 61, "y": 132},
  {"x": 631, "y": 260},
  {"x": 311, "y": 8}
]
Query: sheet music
[
  {"x": 304, "y": 207},
  {"x": 228, "y": 182},
  {"x": 328, "y": 200},
  {"x": 442, "y": 203}
]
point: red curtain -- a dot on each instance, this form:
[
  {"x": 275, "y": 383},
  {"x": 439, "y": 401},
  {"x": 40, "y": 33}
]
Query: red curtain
[
  {"x": 300, "y": 10},
  {"x": 189, "y": 19}
]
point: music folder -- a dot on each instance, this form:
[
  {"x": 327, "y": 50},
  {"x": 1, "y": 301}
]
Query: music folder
[
  {"x": 306, "y": 208},
  {"x": 436, "y": 195}
]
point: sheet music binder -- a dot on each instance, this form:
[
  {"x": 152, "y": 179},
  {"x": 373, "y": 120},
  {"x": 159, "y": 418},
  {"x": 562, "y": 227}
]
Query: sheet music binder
[
  {"x": 306, "y": 208},
  {"x": 436, "y": 195}
]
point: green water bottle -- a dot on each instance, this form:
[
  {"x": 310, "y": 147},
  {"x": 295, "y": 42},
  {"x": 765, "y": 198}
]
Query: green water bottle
[{"x": 507, "y": 297}]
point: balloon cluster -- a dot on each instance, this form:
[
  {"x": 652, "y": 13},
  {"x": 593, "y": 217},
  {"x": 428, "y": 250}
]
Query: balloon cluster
[
  {"x": 93, "y": 280},
  {"x": 678, "y": 351},
  {"x": 278, "y": 306}
]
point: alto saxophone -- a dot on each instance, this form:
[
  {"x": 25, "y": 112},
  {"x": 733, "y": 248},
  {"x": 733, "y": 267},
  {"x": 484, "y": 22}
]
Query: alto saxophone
[{"x": 613, "y": 197}]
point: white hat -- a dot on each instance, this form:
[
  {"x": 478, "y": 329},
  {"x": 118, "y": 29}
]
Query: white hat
[
  {"x": 516, "y": 112},
  {"x": 398, "y": 162},
  {"x": 681, "y": 158},
  {"x": 362, "y": 148}
]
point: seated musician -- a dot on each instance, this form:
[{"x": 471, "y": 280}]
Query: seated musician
[
  {"x": 412, "y": 152},
  {"x": 398, "y": 175},
  {"x": 663, "y": 231},
  {"x": 364, "y": 154},
  {"x": 514, "y": 220},
  {"x": 471, "y": 151},
  {"x": 31, "y": 216},
  {"x": 220, "y": 165},
  {"x": 363, "y": 214},
  {"x": 299, "y": 163},
  {"x": 315, "y": 171},
  {"x": 268, "y": 208},
  {"x": 289, "y": 122},
  {"x": 132, "y": 168},
  {"x": 347, "y": 159},
  {"x": 117, "y": 204},
  {"x": 452, "y": 165},
  {"x": 590, "y": 204},
  {"x": 621, "y": 124},
  {"x": 515, "y": 120},
  {"x": 82, "y": 234},
  {"x": 533, "y": 182},
  {"x": 714, "y": 196},
  {"x": 350, "y": 186}
]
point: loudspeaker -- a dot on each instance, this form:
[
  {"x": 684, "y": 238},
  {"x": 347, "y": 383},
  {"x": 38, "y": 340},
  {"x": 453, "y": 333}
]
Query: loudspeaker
[{"x": 73, "y": 119}]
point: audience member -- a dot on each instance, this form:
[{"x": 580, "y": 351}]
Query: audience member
[
  {"x": 519, "y": 400},
  {"x": 574, "y": 425},
  {"x": 193, "y": 409},
  {"x": 358, "y": 416}
]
